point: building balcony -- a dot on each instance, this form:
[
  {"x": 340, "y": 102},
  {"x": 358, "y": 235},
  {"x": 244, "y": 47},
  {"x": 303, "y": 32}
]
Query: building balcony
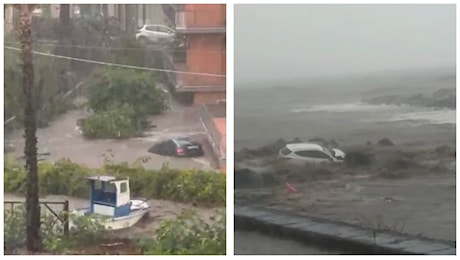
[
  {"x": 196, "y": 21},
  {"x": 198, "y": 83}
]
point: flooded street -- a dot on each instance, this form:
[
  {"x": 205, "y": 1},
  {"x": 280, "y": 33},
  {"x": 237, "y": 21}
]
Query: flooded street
[
  {"x": 254, "y": 243},
  {"x": 420, "y": 206},
  {"x": 63, "y": 139}
]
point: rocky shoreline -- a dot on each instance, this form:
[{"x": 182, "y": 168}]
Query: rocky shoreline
[
  {"x": 442, "y": 98},
  {"x": 386, "y": 185}
]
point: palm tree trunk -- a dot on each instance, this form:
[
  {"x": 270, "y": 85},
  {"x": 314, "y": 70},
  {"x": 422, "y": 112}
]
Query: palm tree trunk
[{"x": 33, "y": 240}]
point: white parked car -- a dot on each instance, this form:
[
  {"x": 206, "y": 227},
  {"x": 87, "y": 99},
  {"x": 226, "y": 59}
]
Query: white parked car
[
  {"x": 155, "y": 33},
  {"x": 302, "y": 153}
]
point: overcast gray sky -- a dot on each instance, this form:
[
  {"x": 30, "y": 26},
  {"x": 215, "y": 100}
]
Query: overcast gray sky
[{"x": 284, "y": 41}]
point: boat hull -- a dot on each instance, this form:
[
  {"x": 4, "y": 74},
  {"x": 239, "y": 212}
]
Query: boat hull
[
  {"x": 138, "y": 211},
  {"x": 124, "y": 222}
]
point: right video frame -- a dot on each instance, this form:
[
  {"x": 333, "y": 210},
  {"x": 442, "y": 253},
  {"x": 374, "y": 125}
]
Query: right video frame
[{"x": 345, "y": 129}]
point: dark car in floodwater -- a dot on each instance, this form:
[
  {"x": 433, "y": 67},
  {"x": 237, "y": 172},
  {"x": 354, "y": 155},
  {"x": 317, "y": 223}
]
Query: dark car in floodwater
[{"x": 180, "y": 147}]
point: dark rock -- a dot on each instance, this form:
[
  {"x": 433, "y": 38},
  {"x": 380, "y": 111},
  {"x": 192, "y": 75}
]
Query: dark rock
[
  {"x": 398, "y": 164},
  {"x": 358, "y": 158},
  {"x": 320, "y": 141},
  {"x": 270, "y": 179},
  {"x": 333, "y": 144},
  {"x": 276, "y": 146},
  {"x": 323, "y": 142},
  {"x": 317, "y": 140},
  {"x": 385, "y": 142},
  {"x": 295, "y": 141},
  {"x": 385, "y": 100},
  {"x": 445, "y": 98},
  {"x": 267, "y": 150},
  {"x": 368, "y": 143},
  {"x": 246, "y": 178},
  {"x": 442, "y": 98},
  {"x": 445, "y": 150}
]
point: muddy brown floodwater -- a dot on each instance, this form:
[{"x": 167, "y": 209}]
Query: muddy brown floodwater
[
  {"x": 62, "y": 139},
  {"x": 421, "y": 206}
]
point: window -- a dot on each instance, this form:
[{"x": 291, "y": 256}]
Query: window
[
  {"x": 313, "y": 154},
  {"x": 183, "y": 141},
  {"x": 285, "y": 151},
  {"x": 110, "y": 187},
  {"x": 162, "y": 29},
  {"x": 123, "y": 187},
  {"x": 151, "y": 28}
]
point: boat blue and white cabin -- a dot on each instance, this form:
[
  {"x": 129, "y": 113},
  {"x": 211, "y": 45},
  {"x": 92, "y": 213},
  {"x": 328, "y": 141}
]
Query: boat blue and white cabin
[{"x": 110, "y": 197}]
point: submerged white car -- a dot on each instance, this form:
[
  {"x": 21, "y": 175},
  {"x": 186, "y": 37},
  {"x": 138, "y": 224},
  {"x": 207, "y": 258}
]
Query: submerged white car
[{"x": 302, "y": 153}]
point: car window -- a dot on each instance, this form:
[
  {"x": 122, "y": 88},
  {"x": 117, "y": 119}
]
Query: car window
[
  {"x": 151, "y": 28},
  {"x": 163, "y": 29},
  {"x": 313, "y": 154},
  {"x": 183, "y": 141},
  {"x": 285, "y": 151}
]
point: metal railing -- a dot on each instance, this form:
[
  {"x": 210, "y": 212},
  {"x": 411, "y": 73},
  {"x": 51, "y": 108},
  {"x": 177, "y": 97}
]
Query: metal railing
[
  {"x": 63, "y": 218},
  {"x": 217, "y": 140}
]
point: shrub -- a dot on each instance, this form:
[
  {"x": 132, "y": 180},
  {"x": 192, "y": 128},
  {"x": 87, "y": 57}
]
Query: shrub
[
  {"x": 188, "y": 235},
  {"x": 84, "y": 232},
  {"x": 135, "y": 90},
  {"x": 65, "y": 178},
  {"x": 196, "y": 186},
  {"x": 14, "y": 176},
  {"x": 116, "y": 123}
]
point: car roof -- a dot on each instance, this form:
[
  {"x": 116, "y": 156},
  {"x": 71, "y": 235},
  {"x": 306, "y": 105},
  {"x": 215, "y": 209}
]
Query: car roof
[{"x": 304, "y": 146}]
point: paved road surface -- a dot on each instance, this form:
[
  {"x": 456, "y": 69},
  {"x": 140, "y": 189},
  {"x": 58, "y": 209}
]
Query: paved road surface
[{"x": 254, "y": 243}]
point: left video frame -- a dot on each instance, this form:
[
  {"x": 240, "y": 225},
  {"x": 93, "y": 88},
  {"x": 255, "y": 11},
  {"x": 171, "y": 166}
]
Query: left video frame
[{"x": 115, "y": 129}]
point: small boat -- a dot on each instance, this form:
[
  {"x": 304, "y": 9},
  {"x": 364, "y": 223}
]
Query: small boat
[{"x": 111, "y": 203}]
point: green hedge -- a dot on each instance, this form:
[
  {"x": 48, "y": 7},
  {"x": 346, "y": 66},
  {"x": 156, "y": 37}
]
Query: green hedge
[
  {"x": 65, "y": 178},
  {"x": 188, "y": 234}
]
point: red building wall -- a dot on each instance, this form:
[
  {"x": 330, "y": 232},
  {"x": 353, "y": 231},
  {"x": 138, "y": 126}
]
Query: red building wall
[
  {"x": 205, "y": 15},
  {"x": 206, "y": 54},
  {"x": 206, "y": 51}
]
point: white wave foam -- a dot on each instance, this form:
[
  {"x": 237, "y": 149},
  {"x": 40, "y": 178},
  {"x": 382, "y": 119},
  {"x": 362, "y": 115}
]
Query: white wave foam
[
  {"x": 347, "y": 107},
  {"x": 426, "y": 116},
  {"x": 445, "y": 116}
]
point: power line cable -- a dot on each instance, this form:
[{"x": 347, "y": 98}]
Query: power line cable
[
  {"x": 114, "y": 48},
  {"x": 120, "y": 65}
]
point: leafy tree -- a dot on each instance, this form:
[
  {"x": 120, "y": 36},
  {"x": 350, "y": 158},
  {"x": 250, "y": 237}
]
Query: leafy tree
[
  {"x": 110, "y": 86},
  {"x": 48, "y": 86}
]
